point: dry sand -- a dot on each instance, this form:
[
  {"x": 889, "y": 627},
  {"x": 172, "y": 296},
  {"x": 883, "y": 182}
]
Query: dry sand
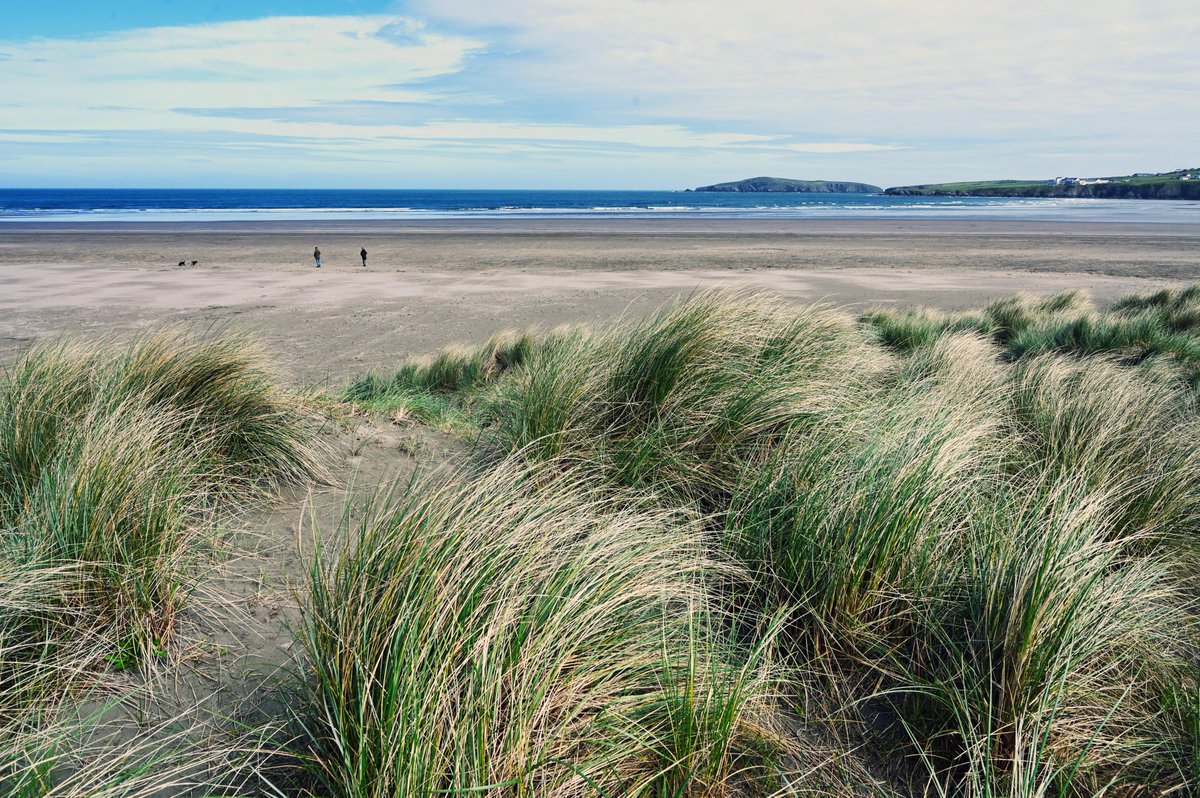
[{"x": 433, "y": 283}]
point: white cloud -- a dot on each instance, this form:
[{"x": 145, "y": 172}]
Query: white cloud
[
  {"x": 690, "y": 86},
  {"x": 281, "y": 61},
  {"x": 196, "y": 79},
  {"x": 880, "y": 68}
]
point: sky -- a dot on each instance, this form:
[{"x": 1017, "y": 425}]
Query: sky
[{"x": 600, "y": 94}]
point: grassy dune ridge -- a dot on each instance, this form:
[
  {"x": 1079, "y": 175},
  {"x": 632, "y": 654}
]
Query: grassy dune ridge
[
  {"x": 978, "y": 526},
  {"x": 1157, "y": 329},
  {"x": 737, "y": 548}
]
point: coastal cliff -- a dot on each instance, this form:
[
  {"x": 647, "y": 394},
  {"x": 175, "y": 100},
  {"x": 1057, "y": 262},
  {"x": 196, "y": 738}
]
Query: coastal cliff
[{"x": 1182, "y": 184}]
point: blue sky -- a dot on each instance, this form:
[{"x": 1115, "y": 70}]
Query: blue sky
[{"x": 591, "y": 93}]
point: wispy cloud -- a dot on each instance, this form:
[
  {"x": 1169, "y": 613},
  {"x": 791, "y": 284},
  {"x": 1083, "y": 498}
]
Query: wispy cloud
[
  {"x": 765, "y": 61},
  {"x": 832, "y": 147},
  {"x": 281, "y": 61}
]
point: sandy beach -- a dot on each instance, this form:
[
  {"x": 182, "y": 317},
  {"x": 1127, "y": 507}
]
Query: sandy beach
[{"x": 432, "y": 283}]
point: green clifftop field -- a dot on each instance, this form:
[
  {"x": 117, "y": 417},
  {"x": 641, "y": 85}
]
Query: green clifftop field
[
  {"x": 1180, "y": 184},
  {"x": 786, "y": 185}
]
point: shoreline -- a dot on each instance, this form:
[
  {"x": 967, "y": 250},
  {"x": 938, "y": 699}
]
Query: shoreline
[{"x": 619, "y": 225}]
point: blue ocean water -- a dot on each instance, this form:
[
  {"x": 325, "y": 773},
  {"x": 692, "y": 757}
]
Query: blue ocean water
[{"x": 176, "y": 205}]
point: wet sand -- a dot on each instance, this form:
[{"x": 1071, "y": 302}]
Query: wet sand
[{"x": 436, "y": 282}]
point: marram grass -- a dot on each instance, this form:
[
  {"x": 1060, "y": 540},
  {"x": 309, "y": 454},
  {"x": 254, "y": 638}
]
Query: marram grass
[
  {"x": 1047, "y": 664},
  {"x": 1157, "y": 331},
  {"x": 113, "y": 460},
  {"x": 976, "y": 525},
  {"x": 678, "y": 402},
  {"x": 738, "y": 548},
  {"x": 526, "y": 634}
]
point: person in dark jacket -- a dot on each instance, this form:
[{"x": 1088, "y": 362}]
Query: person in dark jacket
[
  {"x": 317, "y": 256},
  {"x": 362, "y": 253}
]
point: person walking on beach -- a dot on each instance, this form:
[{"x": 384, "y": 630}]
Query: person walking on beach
[
  {"x": 317, "y": 256},
  {"x": 362, "y": 253}
]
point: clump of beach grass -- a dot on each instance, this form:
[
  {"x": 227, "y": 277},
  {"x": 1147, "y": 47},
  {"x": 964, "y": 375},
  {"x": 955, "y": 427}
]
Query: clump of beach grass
[
  {"x": 1130, "y": 434},
  {"x": 854, "y": 526},
  {"x": 524, "y": 633},
  {"x": 974, "y": 524},
  {"x": 461, "y": 369},
  {"x": 221, "y": 387},
  {"x": 1156, "y": 330},
  {"x": 1045, "y": 669},
  {"x": 677, "y": 402},
  {"x": 438, "y": 390},
  {"x": 114, "y": 459},
  {"x": 1002, "y": 320},
  {"x": 914, "y": 328},
  {"x": 119, "y": 504}
]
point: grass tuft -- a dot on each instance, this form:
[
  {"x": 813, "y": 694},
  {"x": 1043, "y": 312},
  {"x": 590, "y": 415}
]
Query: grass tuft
[
  {"x": 114, "y": 460},
  {"x": 523, "y": 632}
]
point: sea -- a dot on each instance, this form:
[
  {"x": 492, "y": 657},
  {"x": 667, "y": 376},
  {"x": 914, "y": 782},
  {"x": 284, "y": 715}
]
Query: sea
[{"x": 216, "y": 205}]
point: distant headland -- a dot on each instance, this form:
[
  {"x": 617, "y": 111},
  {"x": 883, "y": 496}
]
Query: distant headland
[
  {"x": 786, "y": 185},
  {"x": 1179, "y": 184}
]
